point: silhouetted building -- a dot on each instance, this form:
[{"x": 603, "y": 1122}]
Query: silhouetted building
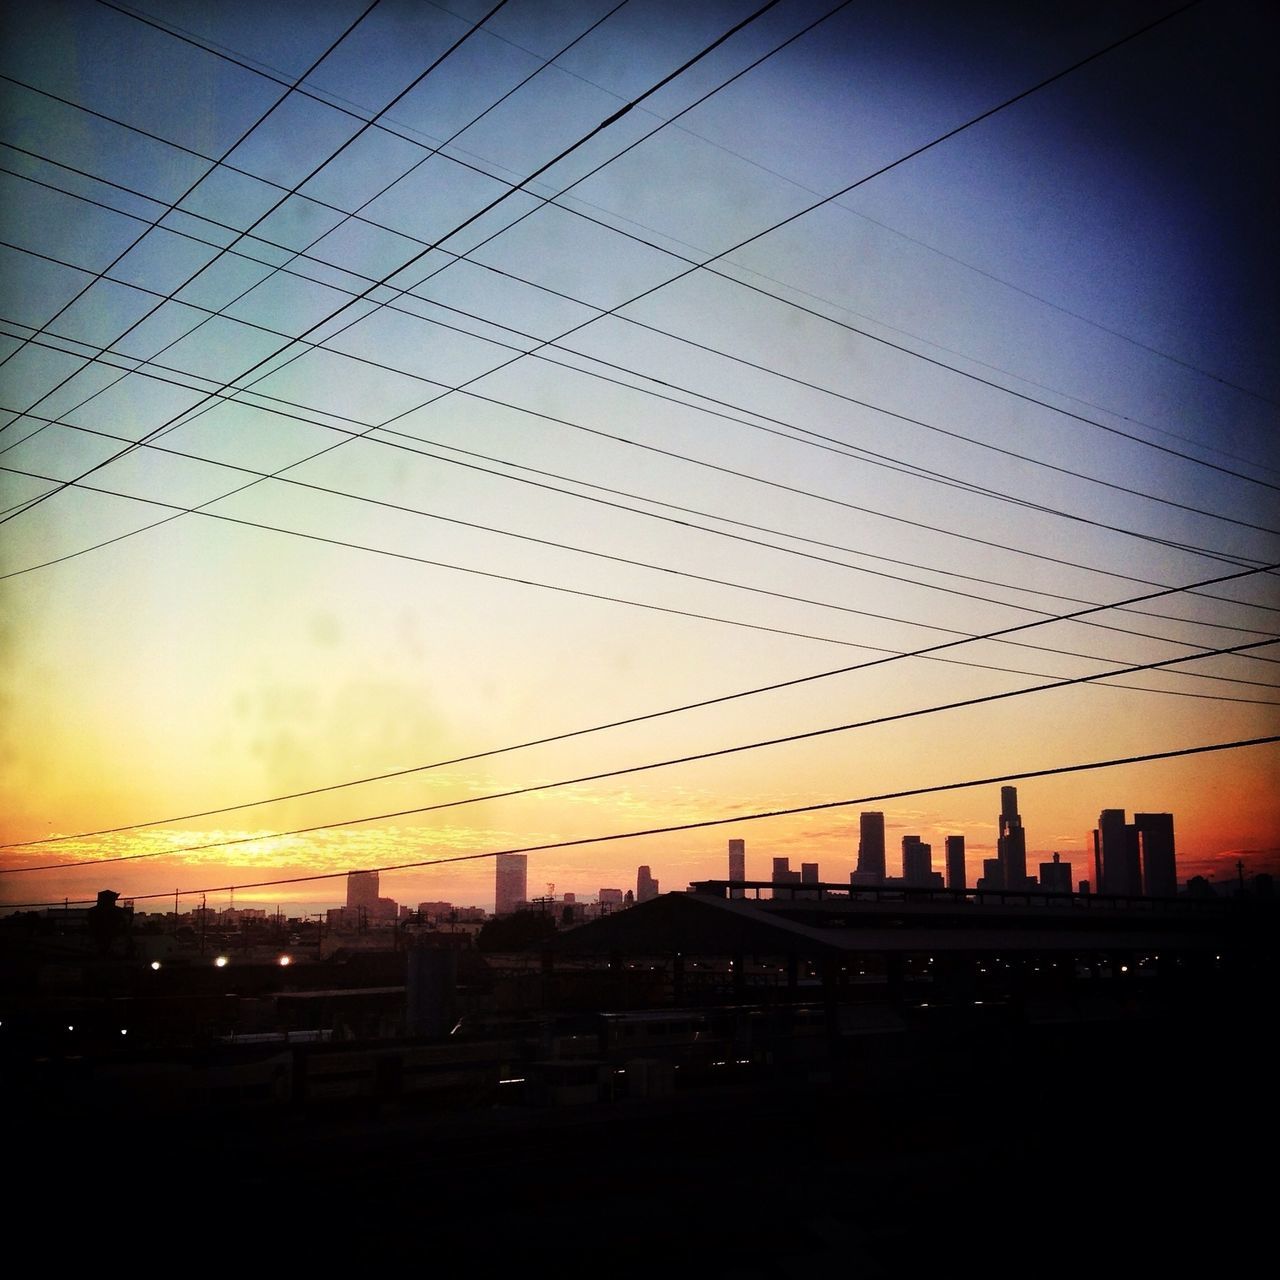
[
  {"x": 611, "y": 900},
  {"x": 992, "y": 876},
  {"x": 737, "y": 865},
  {"x": 1055, "y": 876},
  {"x": 782, "y": 874},
  {"x": 1011, "y": 847},
  {"x": 646, "y": 885},
  {"x": 512, "y": 883},
  {"x": 1155, "y": 850},
  {"x": 362, "y": 891},
  {"x": 871, "y": 867},
  {"x": 1117, "y": 862},
  {"x": 917, "y": 862},
  {"x": 956, "y": 875}
]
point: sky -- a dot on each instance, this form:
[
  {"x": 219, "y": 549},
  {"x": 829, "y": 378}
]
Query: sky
[{"x": 387, "y": 388}]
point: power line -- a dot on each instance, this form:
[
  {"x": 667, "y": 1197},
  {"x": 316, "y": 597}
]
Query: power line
[
  {"x": 812, "y": 439},
  {"x": 929, "y": 426},
  {"x": 406, "y": 135},
  {"x": 966, "y": 637},
  {"x": 885, "y": 719},
  {"x": 173, "y": 204},
  {"x": 1025, "y": 776},
  {"x": 687, "y": 524},
  {"x": 257, "y": 222},
  {"x": 366, "y": 434}
]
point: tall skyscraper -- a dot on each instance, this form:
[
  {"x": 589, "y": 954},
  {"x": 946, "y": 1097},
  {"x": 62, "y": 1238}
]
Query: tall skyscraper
[
  {"x": 512, "y": 883},
  {"x": 1155, "y": 847},
  {"x": 870, "y": 868},
  {"x": 1117, "y": 858},
  {"x": 646, "y": 885},
  {"x": 1011, "y": 847},
  {"x": 362, "y": 890},
  {"x": 917, "y": 861},
  {"x": 737, "y": 865},
  {"x": 956, "y": 876}
]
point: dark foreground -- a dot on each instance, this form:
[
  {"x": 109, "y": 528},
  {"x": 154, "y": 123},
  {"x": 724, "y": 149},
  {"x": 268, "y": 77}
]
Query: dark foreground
[{"x": 1142, "y": 1148}]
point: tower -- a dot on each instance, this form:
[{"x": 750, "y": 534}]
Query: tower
[
  {"x": 870, "y": 869},
  {"x": 1155, "y": 848},
  {"x": 737, "y": 865},
  {"x": 362, "y": 890},
  {"x": 917, "y": 861},
  {"x": 1118, "y": 861},
  {"x": 646, "y": 885},
  {"x": 512, "y": 890},
  {"x": 1011, "y": 847},
  {"x": 956, "y": 877}
]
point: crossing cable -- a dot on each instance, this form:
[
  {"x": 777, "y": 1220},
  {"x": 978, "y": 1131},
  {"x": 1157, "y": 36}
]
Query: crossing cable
[
  {"x": 724, "y": 698},
  {"x": 172, "y": 205},
  {"x": 657, "y": 608},
  {"x": 334, "y": 103},
  {"x": 257, "y": 221},
  {"x": 273, "y": 268},
  {"x": 1024, "y": 776},
  {"x": 807, "y": 436},
  {"x": 542, "y": 344},
  {"x": 695, "y": 265},
  {"x": 686, "y": 524},
  {"x": 828, "y": 199},
  {"x": 149, "y": 444}
]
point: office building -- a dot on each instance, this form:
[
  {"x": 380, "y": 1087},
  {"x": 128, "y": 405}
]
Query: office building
[
  {"x": 737, "y": 865},
  {"x": 362, "y": 890},
  {"x": 917, "y": 862},
  {"x": 1055, "y": 876},
  {"x": 646, "y": 885},
  {"x": 992, "y": 876},
  {"x": 870, "y": 869},
  {"x": 1155, "y": 850},
  {"x": 1117, "y": 861},
  {"x": 956, "y": 876},
  {"x": 512, "y": 883},
  {"x": 782, "y": 874},
  {"x": 1011, "y": 847}
]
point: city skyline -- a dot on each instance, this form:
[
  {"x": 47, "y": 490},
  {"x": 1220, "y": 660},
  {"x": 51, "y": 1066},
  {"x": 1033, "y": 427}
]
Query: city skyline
[{"x": 378, "y": 465}]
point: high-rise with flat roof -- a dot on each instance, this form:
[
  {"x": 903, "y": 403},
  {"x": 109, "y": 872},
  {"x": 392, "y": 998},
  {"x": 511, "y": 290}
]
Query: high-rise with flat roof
[
  {"x": 737, "y": 865},
  {"x": 512, "y": 883},
  {"x": 917, "y": 861},
  {"x": 1155, "y": 848},
  {"x": 870, "y": 868},
  {"x": 362, "y": 890},
  {"x": 1117, "y": 861},
  {"x": 956, "y": 876}
]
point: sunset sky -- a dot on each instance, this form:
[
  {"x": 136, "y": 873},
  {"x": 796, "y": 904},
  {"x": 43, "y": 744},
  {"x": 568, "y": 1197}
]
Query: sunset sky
[{"x": 453, "y": 434}]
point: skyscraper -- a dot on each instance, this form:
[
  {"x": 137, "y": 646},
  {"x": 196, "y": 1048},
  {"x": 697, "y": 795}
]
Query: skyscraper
[
  {"x": 512, "y": 883},
  {"x": 917, "y": 861},
  {"x": 1117, "y": 859},
  {"x": 646, "y": 885},
  {"x": 737, "y": 865},
  {"x": 1011, "y": 847},
  {"x": 362, "y": 890},
  {"x": 956, "y": 876},
  {"x": 1155, "y": 847},
  {"x": 870, "y": 868}
]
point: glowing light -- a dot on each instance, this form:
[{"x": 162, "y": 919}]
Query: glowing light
[
  {"x": 124, "y": 1031},
  {"x": 221, "y": 962},
  {"x": 286, "y": 959},
  {"x": 155, "y": 964}
]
